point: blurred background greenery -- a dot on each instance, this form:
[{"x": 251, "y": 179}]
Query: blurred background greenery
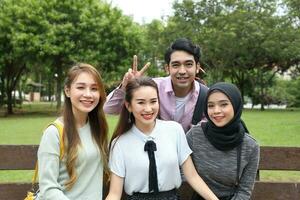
[{"x": 254, "y": 44}]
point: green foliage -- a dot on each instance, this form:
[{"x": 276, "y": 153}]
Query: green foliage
[
  {"x": 279, "y": 92},
  {"x": 286, "y": 92},
  {"x": 293, "y": 89},
  {"x": 294, "y": 9},
  {"x": 241, "y": 41},
  {"x": 48, "y": 36},
  {"x": 238, "y": 39},
  {"x": 152, "y": 49},
  {"x": 19, "y": 28}
]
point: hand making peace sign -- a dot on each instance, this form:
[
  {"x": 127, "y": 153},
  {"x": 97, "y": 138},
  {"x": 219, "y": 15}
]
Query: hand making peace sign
[{"x": 133, "y": 72}]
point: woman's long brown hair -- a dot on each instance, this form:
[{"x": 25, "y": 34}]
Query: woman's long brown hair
[{"x": 97, "y": 120}]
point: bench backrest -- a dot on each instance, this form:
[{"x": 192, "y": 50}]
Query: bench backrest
[
  {"x": 23, "y": 157},
  {"x": 278, "y": 158}
]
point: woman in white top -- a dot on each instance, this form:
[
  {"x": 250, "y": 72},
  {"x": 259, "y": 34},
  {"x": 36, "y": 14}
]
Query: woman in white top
[
  {"x": 147, "y": 153},
  {"x": 79, "y": 174}
]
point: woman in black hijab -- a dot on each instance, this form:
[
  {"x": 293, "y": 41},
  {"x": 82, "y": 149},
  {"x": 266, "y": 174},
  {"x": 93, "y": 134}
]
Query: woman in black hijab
[{"x": 224, "y": 153}]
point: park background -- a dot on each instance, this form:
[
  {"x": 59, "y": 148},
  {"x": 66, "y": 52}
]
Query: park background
[{"x": 254, "y": 44}]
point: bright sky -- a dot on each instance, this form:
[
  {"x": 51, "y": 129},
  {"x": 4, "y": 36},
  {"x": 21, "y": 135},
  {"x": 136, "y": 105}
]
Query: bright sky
[{"x": 144, "y": 10}]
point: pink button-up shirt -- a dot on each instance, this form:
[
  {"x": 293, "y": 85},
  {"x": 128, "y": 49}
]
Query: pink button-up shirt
[{"x": 115, "y": 101}]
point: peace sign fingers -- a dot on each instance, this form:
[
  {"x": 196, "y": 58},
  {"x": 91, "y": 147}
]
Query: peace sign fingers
[
  {"x": 134, "y": 64},
  {"x": 142, "y": 71},
  {"x": 135, "y": 71}
]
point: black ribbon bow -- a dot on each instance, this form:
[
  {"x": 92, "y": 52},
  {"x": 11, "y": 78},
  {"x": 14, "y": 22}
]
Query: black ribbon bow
[{"x": 150, "y": 147}]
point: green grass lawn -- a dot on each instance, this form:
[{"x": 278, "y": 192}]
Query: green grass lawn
[
  {"x": 27, "y": 125},
  {"x": 274, "y": 127},
  {"x": 269, "y": 128}
]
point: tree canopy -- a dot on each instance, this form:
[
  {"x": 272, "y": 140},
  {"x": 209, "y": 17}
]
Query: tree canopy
[
  {"x": 241, "y": 40},
  {"x": 246, "y": 42},
  {"x": 55, "y": 34}
]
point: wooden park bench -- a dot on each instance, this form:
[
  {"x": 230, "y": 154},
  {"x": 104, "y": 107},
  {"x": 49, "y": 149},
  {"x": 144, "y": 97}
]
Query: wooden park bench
[{"x": 23, "y": 157}]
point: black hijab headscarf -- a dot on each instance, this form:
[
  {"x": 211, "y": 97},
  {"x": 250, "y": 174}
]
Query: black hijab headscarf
[{"x": 231, "y": 135}]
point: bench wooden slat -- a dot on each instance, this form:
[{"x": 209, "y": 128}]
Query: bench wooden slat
[
  {"x": 285, "y": 158},
  {"x": 18, "y": 157},
  {"x": 276, "y": 191},
  {"x": 185, "y": 191},
  {"x": 262, "y": 191},
  {"x": 280, "y": 158},
  {"x": 18, "y": 191},
  {"x": 24, "y": 157},
  {"x": 14, "y": 191}
]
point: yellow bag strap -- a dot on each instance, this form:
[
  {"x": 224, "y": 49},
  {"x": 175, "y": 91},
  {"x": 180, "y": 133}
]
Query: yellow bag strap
[{"x": 59, "y": 125}]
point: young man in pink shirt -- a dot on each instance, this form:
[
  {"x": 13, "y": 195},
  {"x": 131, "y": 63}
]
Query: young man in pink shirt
[{"x": 178, "y": 92}]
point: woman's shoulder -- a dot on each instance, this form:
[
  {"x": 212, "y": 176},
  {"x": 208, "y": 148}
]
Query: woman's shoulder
[
  {"x": 250, "y": 142},
  {"x": 124, "y": 138},
  {"x": 50, "y": 141},
  {"x": 196, "y": 130},
  {"x": 51, "y": 131},
  {"x": 250, "y": 139}
]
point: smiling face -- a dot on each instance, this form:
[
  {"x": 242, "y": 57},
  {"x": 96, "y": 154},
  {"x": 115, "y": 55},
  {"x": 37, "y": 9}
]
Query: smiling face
[
  {"x": 219, "y": 109},
  {"x": 144, "y": 106},
  {"x": 84, "y": 94},
  {"x": 182, "y": 69}
]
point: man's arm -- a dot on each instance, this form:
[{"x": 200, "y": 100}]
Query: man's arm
[{"x": 114, "y": 102}]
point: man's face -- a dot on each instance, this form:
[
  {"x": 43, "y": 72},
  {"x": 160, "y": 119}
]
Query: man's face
[{"x": 182, "y": 69}]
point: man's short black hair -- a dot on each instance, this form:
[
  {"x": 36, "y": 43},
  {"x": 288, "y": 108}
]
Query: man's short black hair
[{"x": 183, "y": 44}]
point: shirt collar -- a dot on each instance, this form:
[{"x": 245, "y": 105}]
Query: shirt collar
[
  {"x": 169, "y": 87},
  {"x": 144, "y": 137}
]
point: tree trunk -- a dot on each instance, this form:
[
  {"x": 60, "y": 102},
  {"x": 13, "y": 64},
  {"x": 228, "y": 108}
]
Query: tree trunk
[
  {"x": 59, "y": 68},
  {"x": 14, "y": 73},
  {"x": 262, "y": 107},
  {"x": 49, "y": 90},
  {"x": 20, "y": 102},
  {"x": 262, "y": 95},
  {"x": 9, "y": 101},
  {"x": 2, "y": 89},
  {"x": 58, "y": 90}
]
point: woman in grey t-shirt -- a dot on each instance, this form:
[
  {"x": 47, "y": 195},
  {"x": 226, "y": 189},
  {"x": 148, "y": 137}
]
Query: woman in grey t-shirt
[
  {"x": 71, "y": 162},
  {"x": 225, "y": 155}
]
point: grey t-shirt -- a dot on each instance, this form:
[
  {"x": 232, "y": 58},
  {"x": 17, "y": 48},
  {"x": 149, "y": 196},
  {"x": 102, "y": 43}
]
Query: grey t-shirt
[
  {"x": 129, "y": 160},
  {"x": 53, "y": 173},
  {"x": 218, "y": 168}
]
